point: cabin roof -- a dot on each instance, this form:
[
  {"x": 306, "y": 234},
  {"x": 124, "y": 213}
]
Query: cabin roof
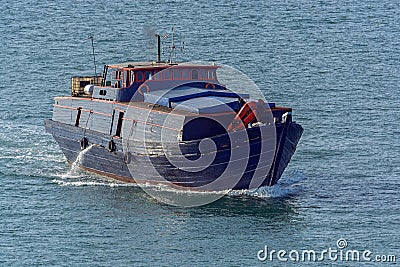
[
  {"x": 147, "y": 65},
  {"x": 135, "y": 64}
]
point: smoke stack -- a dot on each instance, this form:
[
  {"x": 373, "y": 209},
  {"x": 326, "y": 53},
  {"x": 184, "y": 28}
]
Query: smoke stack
[{"x": 158, "y": 48}]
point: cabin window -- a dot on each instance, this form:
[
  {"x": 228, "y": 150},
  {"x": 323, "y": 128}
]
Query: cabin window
[
  {"x": 132, "y": 74},
  {"x": 103, "y": 92},
  {"x": 111, "y": 78},
  {"x": 118, "y": 75},
  {"x": 147, "y": 75},
  {"x": 167, "y": 75},
  {"x": 211, "y": 74},
  {"x": 195, "y": 75},
  {"x": 203, "y": 74},
  {"x": 177, "y": 74},
  {"x": 128, "y": 78},
  {"x": 139, "y": 76},
  {"x": 186, "y": 74}
]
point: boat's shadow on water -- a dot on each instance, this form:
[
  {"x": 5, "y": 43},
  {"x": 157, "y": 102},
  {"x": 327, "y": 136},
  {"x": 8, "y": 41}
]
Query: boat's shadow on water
[
  {"x": 273, "y": 208},
  {"x": 276, "y": 202}
]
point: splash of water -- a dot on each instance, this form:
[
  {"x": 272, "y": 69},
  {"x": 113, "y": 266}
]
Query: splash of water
[
  {"x": 287, "y": 186},
  {"x": 172, "y": 190},
  {"x": 91, "y": 182},
  {"x": 73, "y": 172}
]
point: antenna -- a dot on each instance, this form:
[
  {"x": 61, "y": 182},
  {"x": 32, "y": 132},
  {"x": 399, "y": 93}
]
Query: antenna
[
  {"x": 182, "y": 47},
  {"x": 172, "y": 47},
  {"x": 94, "y": 55}
]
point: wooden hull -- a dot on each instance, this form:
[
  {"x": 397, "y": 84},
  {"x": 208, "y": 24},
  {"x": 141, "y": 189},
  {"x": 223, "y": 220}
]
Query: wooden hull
[{"x": 134, "y": 166}]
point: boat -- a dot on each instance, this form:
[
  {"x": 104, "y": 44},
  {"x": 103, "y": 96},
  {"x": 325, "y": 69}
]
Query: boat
[{"x": 164, "y": 122}]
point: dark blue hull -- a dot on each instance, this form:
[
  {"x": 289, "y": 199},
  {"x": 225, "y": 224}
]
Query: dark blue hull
[{"x": 114, "y": 164}]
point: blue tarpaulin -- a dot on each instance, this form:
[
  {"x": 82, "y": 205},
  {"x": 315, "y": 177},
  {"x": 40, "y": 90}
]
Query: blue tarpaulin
[{"x": 196, "y": 100}]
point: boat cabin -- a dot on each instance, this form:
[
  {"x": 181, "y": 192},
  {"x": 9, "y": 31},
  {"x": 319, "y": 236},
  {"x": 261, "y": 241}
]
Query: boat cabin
[{"x": 125, "y": 82}]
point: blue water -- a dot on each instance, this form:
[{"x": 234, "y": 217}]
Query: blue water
[{"x": 336, "y": 63}]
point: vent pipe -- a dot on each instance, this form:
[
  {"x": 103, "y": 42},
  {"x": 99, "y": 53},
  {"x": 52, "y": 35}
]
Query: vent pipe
[{"x": 158, "y": 48}]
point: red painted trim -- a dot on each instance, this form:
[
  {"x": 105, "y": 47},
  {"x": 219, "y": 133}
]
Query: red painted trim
[
  {"x": 67, "y": 107},
  {"x": 137, "y": 68},
  {"x": 209, "y": 84},
  {"x": 144, "y": 85},
  {"x": 110, "y": 115},
  {"x": 164, "y": 67},
  {"x": 119, "y": 110},
  {"x": 85, "y": 110},
  {"x": 127, "y": 104},
  {"x": 158, "y": 111}
]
